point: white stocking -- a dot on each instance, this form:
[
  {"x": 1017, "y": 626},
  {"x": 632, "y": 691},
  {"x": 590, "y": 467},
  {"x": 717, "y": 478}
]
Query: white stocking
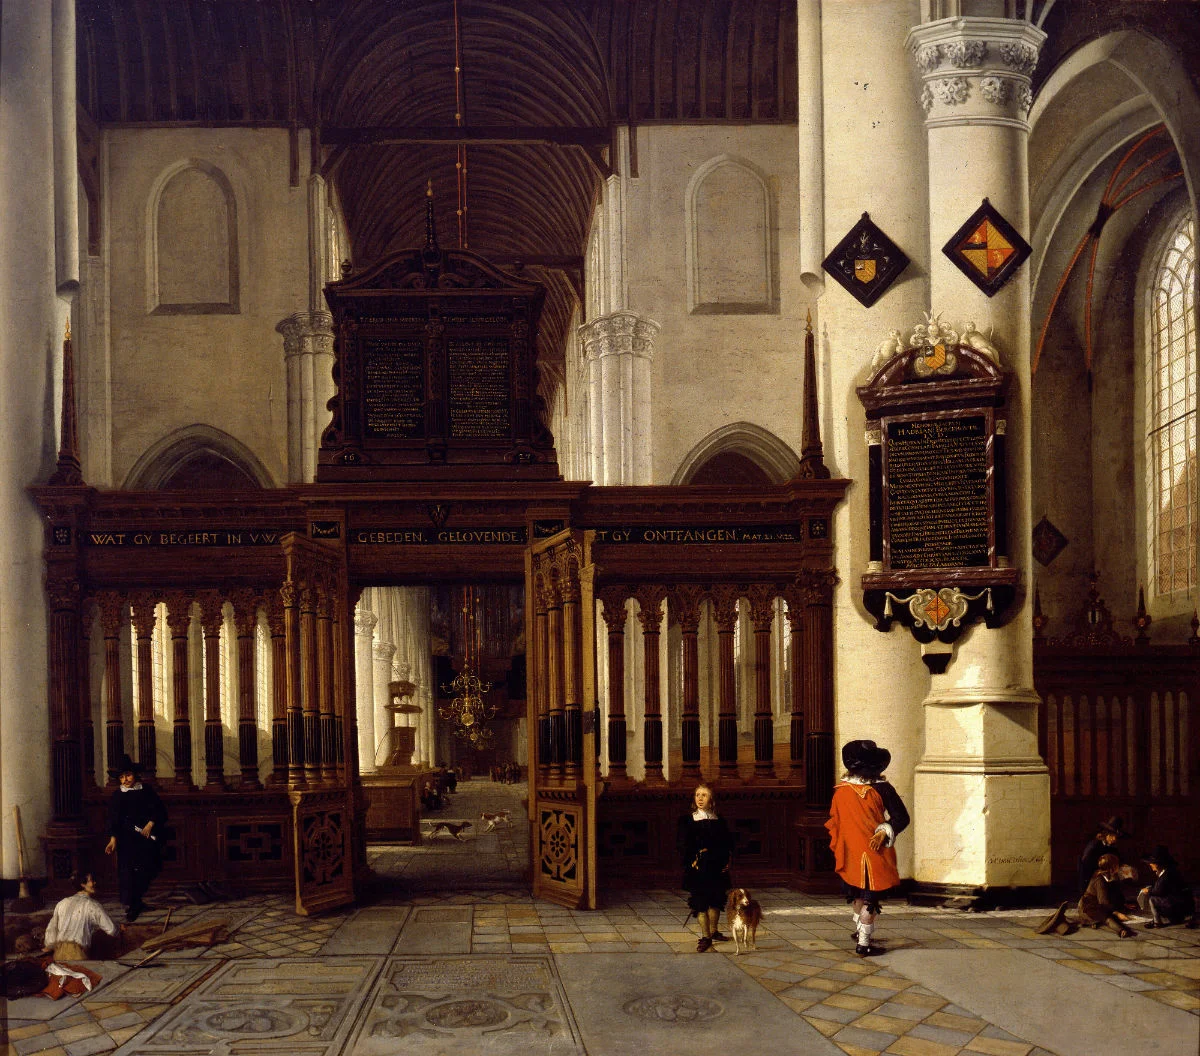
[{"x": 866, "y": 927}]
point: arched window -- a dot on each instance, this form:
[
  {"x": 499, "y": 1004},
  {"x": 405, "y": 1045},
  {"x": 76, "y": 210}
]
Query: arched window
[{"x": 1170, "y": 367}]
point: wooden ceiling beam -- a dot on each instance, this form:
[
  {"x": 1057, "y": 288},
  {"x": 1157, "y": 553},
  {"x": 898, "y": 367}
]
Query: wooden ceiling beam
[{"x": 577, "y": 136}]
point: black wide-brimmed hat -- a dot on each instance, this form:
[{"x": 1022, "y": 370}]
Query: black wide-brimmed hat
[
  {"x": 128, "y": 766},
  {"x": 1160, "y": 856},
  {"x": 1114, "y": 825},
  {"x": 865, "y": 758}
]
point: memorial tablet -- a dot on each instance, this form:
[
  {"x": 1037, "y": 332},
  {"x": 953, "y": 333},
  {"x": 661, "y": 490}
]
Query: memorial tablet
[
  {"x": 480, "y": 387},
  {"x": 393, "y": 387},
  {"x": 936, "y": 474}
]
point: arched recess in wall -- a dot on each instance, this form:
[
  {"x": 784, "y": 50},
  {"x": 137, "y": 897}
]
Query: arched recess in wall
[
  {"x": 739, "y": 453},
  {"x": 192, "y": 242},
  {"x": 198, "y": 457},
  {"x": 732, "y": 265}
]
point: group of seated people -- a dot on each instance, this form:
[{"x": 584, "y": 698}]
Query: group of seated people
[
  {"x": 1104, "y": 901},
  {"x": 508, "y": 773},
  {"x": 434, "y": 793}
]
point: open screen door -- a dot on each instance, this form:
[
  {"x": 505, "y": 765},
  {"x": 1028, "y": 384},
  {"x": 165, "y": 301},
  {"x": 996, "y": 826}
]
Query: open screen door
[{"x": 560, "y": 614}]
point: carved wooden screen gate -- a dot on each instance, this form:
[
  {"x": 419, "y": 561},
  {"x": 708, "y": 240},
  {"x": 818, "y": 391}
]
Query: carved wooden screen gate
[
  {"x": 560, "y": 609},
  {"x": 321, "y": 731}
]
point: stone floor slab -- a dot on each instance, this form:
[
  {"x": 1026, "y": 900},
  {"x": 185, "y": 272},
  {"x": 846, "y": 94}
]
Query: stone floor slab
[
  {"x": 370, "y": 930},
  {"x": 633, "y": 1005},
  {"x": 1046, "y": 1004},
  {"x": 480, "y": 1005}
]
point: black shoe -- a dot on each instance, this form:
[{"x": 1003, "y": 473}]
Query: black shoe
[
  {"x": 718, "y": 937},
  {"x": 705, "y": 943},
  {"x": 869, "y": 951},
  {"x": 132, "y": 913}
]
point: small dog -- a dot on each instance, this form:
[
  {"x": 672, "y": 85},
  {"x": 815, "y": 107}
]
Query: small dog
[
  {"x": 450, "y": 828},
  {"x": 494, "y": 818},
  {"x": 742, "y": 915}
]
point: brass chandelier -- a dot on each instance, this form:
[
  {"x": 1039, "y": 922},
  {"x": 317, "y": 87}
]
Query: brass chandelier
[{"x": 469, "y": 710}]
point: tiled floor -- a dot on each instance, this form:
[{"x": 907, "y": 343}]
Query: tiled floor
[{"x": 804, "y": 957}]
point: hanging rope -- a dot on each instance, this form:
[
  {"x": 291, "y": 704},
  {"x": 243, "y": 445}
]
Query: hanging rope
[
  {"x": 1110, "y": 202},
  {"x": 460, "y": 164}
]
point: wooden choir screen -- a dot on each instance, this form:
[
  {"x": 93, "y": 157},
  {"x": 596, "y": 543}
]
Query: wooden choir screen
[
  {"x": 1119, "y": 731},
  {"x": 758, "y": 585},
  {"x": 220, "y": 665}
]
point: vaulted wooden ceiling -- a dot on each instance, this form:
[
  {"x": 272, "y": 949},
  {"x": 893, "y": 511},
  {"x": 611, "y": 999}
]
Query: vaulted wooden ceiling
[{"x": 542, "y": 85}]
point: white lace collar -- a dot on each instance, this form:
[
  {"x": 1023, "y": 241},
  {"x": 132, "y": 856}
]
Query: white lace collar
[
  {"x": 135, "y": 787},
  {"x": 704, "y": 815},
  {"x": 854, "y": 779}
]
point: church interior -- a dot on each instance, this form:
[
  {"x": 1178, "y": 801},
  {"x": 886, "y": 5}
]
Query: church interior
[{"x": 442, "y": 434}]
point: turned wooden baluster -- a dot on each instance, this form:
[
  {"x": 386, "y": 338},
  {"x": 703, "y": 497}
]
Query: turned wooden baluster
[
  {"x": 613, "y": 599},
  {"x": 309, "y": 674},
  {"x": 290, "y": 594},
  {"x": 650, "y": 599},
  {"x": 554, "y": 674},
  {"x": 795, "y": 618},
  {"x": 325, "y": 684},
  {"x": 273, "y": 602},
  {"x": 684, "y": 605},
  {"x": 66, "y": 760},
  {"x": 725, "y": 602},
  {"x": 88, "y": 760},
  {"x": 572, "y": 627},
  {"x": 541, "y": 653},
  {"x": 762, "y": 616},
  {"x": 212, "y": 616},
  {"x": 113, "y": 607},
  {"x": 144, "y": 619},
  {"x": 816, "y": 593},
  {"x": 179, "y": 621},
  {"x": 245, "y": 617}
]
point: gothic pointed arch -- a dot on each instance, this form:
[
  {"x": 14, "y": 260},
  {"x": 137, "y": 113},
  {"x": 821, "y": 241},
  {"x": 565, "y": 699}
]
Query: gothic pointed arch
[
  {"x": 739, "y": 453},
  {"x": 198, "y": 457}
]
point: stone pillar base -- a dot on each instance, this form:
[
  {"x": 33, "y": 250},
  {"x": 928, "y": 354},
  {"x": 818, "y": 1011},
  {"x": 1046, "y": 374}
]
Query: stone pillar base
[
  {"x": 978, "y": 899},
  {"x": 982, "y": 825}
]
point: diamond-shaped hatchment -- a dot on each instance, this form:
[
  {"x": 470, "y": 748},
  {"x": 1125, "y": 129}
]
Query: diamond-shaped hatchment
[
  {"x": 1048, "y": 542},
  {"x": 866, "y": 262}
]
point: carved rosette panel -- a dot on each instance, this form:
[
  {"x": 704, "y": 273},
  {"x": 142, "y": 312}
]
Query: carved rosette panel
[
  {"x": 976, "y": 69},
  {"x": 558, "y": 844},
  {"x": 323, "y": 860}
]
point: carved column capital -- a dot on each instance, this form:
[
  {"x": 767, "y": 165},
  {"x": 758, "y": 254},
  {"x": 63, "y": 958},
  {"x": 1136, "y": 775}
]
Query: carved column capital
[
  {"x": 725, "y": 600},
  {"x": 245, "y": 610},
  {"x": 685, "y": 602},
  {"x": 144, "y": 617},
  {"x": 179, "y": 612},
  {"x": 815, "y": 587},
  {"x": 212, "y": 612},
  {"x": 306, "y": 332},
  {"x": 112, "y": 606},
  {"x": 364, "y": 623},
  {"x": 650, "y": 599},
  {"x": 976, "y": 70},
  {"x": 762, "y": 606},
  {"x": 621, "y": 333},
  {"x": 384, "y": 651},
  {"x": 613, "y": 611}
]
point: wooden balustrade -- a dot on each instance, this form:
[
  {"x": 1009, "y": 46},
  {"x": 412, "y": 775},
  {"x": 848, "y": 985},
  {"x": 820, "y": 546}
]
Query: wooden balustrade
[{"x": 1119, "y": 733}]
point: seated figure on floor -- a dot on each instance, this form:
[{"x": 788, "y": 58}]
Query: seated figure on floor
[
  {"x": 1168, "y": 899},
  {"x": 74, "y": 921},
  {"x": 1102, "y": 904}
]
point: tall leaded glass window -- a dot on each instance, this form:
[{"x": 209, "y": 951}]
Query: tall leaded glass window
[{"x": 1171, "y": 415}]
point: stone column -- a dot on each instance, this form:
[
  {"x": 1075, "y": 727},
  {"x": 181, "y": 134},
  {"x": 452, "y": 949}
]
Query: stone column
[
  {"x": 308, "y": 354},
  {"x": 613, "y": 600},
  {"x": 382, "y": 654},
  {"x": 364, "y": 686},
  {"x": 618, "y": 349},
  {"x": 982, "y": 792}
]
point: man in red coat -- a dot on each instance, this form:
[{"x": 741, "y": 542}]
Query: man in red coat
[{"x": 865, "y": 818}]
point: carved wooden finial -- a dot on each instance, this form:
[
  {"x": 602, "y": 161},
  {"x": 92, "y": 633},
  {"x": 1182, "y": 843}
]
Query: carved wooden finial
[
  {"x": 812, "y": 455},
  {"x": 1142, "y": 620},
  {"x": 68, "y": 471},
  {"x": 431, "y": 242},
  {"x": 1039, "y": 618},
  {"x": 429, "y": 188}
]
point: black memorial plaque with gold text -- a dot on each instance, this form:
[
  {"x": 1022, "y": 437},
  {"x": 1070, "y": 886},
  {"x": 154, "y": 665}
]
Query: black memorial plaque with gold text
[
  {"x": 480, "y": 386},
  {"x": 393, "y": 387},
  {"x": 937, "y": 509}
]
